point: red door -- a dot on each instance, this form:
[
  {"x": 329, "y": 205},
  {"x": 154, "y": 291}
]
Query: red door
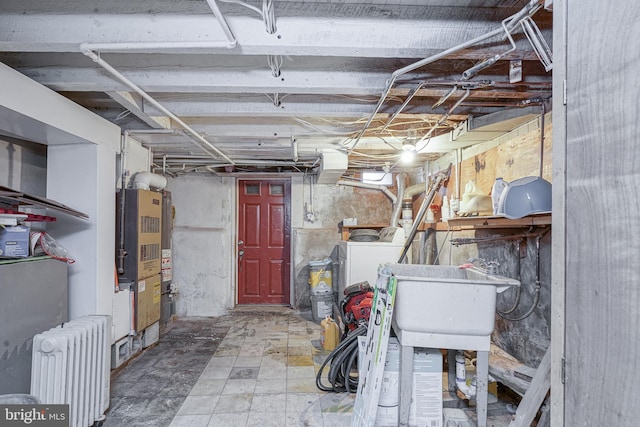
[{"x": 263, "y": 242}]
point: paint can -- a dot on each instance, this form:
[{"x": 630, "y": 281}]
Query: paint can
[
  {"x": 320, "y": 276},
  {"x": 322, "y": 306}
]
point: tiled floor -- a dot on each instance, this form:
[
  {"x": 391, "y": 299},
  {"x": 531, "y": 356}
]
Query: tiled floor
[
  {"x": 252, "y": 367},
  {"x": 263, "y": 374}
]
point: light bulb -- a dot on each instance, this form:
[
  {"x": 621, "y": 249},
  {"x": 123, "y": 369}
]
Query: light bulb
[{"x": 407, "y": 157}]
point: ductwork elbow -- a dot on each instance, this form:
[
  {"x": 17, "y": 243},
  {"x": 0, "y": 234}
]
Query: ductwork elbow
[{"x": 148, "y": 180}]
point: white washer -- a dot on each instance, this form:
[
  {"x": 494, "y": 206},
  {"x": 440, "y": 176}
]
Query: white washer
[{"x": 359, "y": 261}]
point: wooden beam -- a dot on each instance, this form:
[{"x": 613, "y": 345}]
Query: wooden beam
[{"x": 535, "y": 395}]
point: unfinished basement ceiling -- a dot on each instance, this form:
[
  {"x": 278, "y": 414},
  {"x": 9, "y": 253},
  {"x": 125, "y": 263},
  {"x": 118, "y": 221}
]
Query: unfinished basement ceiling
[{"x": 256, "y": 86}]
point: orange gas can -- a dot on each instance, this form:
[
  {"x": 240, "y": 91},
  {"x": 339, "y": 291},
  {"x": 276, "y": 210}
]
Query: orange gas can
[{"x": 330, "y": 334}]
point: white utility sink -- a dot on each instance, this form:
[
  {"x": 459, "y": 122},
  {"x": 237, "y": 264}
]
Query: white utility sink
[{"x": 441, "y": 306}]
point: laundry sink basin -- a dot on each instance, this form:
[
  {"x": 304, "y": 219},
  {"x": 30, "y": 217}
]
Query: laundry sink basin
[{"x": 440, "y": 306}]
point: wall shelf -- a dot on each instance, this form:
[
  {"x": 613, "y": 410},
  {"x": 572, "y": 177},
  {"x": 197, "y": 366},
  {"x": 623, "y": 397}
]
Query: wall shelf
[{"x": 481, "y": 222}]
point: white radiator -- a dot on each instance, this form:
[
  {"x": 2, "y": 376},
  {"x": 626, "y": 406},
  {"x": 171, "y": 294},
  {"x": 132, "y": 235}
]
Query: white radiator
[{"x": 71, "y": 364}]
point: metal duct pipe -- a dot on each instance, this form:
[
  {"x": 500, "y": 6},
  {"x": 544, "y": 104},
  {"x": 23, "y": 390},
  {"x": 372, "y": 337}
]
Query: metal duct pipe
[
  {"x": 397, "y": 207},
  {"x": 382, "y": 188}
]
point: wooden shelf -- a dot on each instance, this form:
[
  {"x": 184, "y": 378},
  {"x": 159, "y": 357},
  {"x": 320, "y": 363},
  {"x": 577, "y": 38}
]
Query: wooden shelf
[
  {"x": 480, "y": 222},
  {"x": 438, "y": 226}
]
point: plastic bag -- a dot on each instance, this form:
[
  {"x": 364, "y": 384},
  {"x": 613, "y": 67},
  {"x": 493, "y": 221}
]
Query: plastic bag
[{"x": 42, "y": 242}]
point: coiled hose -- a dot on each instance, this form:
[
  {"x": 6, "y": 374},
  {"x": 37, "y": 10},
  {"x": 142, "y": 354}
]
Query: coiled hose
[{"x": 342, "y": 360}]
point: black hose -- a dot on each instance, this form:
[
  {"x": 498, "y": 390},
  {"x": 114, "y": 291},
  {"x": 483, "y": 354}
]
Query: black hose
[{"x": 341, "y": 361}]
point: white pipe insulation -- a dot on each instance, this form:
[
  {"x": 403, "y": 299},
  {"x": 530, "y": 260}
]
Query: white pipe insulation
[
  {"x": 148, "y": 180},
  {"x": 359, "y": 184},
  {"x": 397, "y": 208}
]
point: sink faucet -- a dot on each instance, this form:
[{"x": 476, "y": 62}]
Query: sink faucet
[{"x": 491, "y": 267}]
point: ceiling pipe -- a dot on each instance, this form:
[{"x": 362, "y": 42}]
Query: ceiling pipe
[
  {"x": 90, "y": 49},
  {"x": 86, "y": 49},
  {"x": 410, "y": 96},
  {"x": 359, "y": 184},
  {"x": 508, "y": 25}
]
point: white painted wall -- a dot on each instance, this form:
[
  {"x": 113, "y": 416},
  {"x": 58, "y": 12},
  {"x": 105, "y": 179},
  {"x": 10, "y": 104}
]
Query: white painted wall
[
  {"x": 82, "y": 176},
  {"x": 23, "y": 166},
  {"x": 204, "y": 236}
]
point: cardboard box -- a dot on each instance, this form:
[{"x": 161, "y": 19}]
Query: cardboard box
[
  {"x": 426, "y": 396},
  {"x": 14, "y": 242}
]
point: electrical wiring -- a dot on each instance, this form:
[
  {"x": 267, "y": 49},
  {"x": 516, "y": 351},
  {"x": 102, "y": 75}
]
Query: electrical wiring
[
  {"x": 317, "y": 129},
  {"x": 249, "y": 6},
  {"x": 122, "y": 115},
  {"x": 269, "y": 16},
  {"x": 275, "y": 63}
]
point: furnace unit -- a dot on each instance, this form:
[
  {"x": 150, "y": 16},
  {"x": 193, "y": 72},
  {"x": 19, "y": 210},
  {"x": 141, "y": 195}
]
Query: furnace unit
[{"x": 142, "y": 245}]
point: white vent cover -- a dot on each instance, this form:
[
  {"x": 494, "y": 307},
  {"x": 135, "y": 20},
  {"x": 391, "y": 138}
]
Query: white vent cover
[{"x": 332, "y": 165}]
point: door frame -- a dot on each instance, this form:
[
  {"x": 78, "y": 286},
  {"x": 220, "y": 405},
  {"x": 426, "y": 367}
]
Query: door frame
[{"x": 234, "y": 261}]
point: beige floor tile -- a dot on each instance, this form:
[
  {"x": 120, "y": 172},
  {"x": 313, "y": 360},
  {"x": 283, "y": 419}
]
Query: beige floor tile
[
  {"x": 248, "y": 361},
  {"x": 190, "y": 421},
  {"x": 239, "y": 387},
  {"x": 271, "y": 385},
  {"x": 207, "y": 387},
  {"x": 275, "y": 360},
  {"x": 299, "y": 350},
  {"x": 227, "y": 351},
  {"x": 301, "y": 402},
  {"x": 332, "y": 419},
  {"x": 269, "y": 402},
  {"x": 228, "y": 420},
  {"x": 301, "y": 385},
  {"x": 299, "y": 361},
  {"x": 198, "y": 405},
  {"x": 216, "y": 372},
  {"x": 300, "y": 342},
  {"x": 301, "y": 372},
  {"x": 233, "y": 403},
  {"x": 307, "y": 419},
  {"x": 264, "y": 419},
  {"x": 277, "y": 372},
  {"x": 222, "y": 361}
]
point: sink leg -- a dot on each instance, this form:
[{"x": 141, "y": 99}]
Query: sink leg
[
  {"x": 406, "y": 384},
  {"x": 482, "y": 373}
]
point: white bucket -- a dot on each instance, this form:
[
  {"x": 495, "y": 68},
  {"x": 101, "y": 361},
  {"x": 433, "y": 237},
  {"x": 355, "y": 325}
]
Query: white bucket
[{"x": 322, "y": 306}]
